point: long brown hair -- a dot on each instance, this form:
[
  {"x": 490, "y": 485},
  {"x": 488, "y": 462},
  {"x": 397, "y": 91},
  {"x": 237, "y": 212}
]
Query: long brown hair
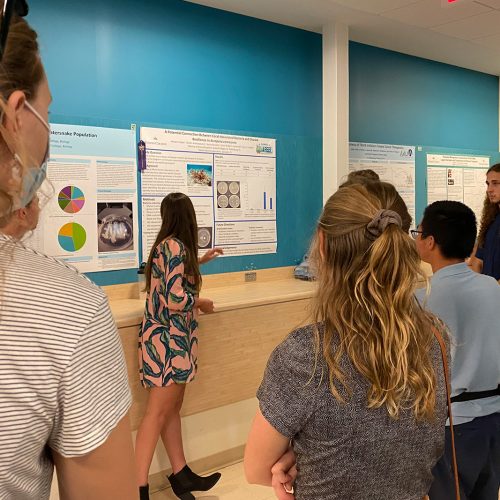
[
  {"x": 20, "y": 69},
  {"x": 490, "y": 211},
  {"x": 366, "y": 302},
  {"x": 178, "y": 220}
]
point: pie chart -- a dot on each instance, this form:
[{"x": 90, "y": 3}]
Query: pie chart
[
  {"x": 72, "y": 237},
  {"x": 71, "y": 199}
]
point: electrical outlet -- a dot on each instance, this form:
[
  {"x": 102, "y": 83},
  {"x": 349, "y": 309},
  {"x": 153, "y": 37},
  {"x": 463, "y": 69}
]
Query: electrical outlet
[{"x": 252, "y": 276}]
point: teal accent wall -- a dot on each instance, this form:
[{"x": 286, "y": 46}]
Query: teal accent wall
[
  {"x": 400, "y": 99},
  {"x": 173, "y": 63}
]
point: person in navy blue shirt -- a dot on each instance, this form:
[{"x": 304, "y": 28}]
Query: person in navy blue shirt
[{"x": 487, "y": 258}]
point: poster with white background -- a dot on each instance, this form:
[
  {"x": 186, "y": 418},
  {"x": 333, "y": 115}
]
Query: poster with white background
[
  {"x": 230, "y": 179},
  {"x": 393, "y": 163},
  {"x": 459, "y": 178},
  {"x": 89, "y": 220}
]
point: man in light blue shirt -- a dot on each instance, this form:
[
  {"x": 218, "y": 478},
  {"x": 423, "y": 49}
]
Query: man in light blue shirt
[{"x": 469, "y": 303}]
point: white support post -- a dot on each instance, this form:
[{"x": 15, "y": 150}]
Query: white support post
[{"x": 335, "y": 106}]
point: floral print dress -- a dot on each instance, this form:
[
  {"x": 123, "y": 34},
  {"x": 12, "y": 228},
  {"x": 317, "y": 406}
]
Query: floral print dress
[{"x": 167, "y": 337}]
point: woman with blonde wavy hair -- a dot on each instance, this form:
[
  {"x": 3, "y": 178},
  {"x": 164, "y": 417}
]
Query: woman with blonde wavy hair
[{"x": 360, "y": 393}]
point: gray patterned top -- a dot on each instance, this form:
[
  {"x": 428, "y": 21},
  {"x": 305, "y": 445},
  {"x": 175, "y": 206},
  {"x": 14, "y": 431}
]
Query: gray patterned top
[{"x": 347, "y": 451}]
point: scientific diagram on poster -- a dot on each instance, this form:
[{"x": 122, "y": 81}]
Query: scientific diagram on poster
[
  {"x": 90, "y": 217},
  {"x": 230, "y": 179},
  {"x": 393, "y": 163},
  {"x": 459, "y": 178}
]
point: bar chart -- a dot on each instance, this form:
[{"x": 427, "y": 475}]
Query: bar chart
[{"x": 268, "y": 201}]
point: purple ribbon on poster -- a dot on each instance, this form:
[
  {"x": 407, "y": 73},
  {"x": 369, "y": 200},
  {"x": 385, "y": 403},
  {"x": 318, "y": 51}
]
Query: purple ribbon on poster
[{"x": 141, "y": 155}]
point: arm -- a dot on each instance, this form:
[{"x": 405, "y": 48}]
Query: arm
[
  {"x": 91, "y": 439},
  {"x": 264, "y": 448},
  {"x": 286, "y": 403},
  {"x": 106, "y": 472},
  {"x": 170, "y": 267},
  {"x": 475, "y": 261},
  {"x": 476, "y": 264},
  {"x": 204, "y": 305},
  {"x": 210, "y": 255},
  {"x": 171, "y": 264}
]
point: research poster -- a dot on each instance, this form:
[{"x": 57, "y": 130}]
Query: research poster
[
  {"x": 230, "y": 179},
  {"x": 457, "y": 177},
  {"x": 89, "y": 217},
  {"x": 393, "y": 163}
]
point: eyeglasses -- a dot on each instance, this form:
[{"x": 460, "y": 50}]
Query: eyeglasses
[
  {"x": 414, "y": 233},
  {"x": 20, "y": 7}
]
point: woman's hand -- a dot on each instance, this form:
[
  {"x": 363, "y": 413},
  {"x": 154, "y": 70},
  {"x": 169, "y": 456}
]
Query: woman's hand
[
  {"x": 211, "y": 255},
  {"x": 204, "y": 305},
  {"x": 284, "y": 473}
]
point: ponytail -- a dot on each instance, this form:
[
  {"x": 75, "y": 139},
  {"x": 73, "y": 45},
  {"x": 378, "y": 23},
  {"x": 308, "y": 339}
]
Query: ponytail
[{"x": 368, "y": 272}]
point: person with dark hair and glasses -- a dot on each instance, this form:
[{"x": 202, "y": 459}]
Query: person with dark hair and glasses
[{"x": 468, "y": 303}]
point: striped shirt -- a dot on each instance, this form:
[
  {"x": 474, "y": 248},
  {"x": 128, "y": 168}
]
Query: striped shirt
[{"x": 63, "y": 380}]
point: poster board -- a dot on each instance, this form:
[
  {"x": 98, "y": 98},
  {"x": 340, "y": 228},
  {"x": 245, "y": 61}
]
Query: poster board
[
  {"x": 393, "y": 163},
  {"x": 230, "y": 179},
  {"x": 89, "y": 217}
]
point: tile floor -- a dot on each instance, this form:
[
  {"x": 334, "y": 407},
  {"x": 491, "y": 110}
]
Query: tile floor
[{"x": 232, "y": 486}]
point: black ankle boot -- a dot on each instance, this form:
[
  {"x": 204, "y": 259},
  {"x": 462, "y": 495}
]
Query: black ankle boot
[
  {"x": 186, "y": 481},
  {"x": 144, "y": 492}
]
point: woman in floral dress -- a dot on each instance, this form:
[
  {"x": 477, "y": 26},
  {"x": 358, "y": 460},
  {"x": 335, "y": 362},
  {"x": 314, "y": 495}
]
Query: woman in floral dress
[{"x": 168, "y": 343}]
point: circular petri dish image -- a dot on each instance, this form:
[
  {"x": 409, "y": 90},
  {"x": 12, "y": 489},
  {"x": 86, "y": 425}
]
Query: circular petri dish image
[
  {"x": 234, "y": 187},
  {"x": 222, "y": 187},
  {"x": 116, "y": 232},
  {"x": 204, "y": 237},
  {"x": 234, "y": 201},
  {"x": 222, "y": 201}
]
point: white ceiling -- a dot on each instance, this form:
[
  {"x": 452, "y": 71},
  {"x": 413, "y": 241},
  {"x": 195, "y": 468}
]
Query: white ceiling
[{"x": 464, "y": 33}]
